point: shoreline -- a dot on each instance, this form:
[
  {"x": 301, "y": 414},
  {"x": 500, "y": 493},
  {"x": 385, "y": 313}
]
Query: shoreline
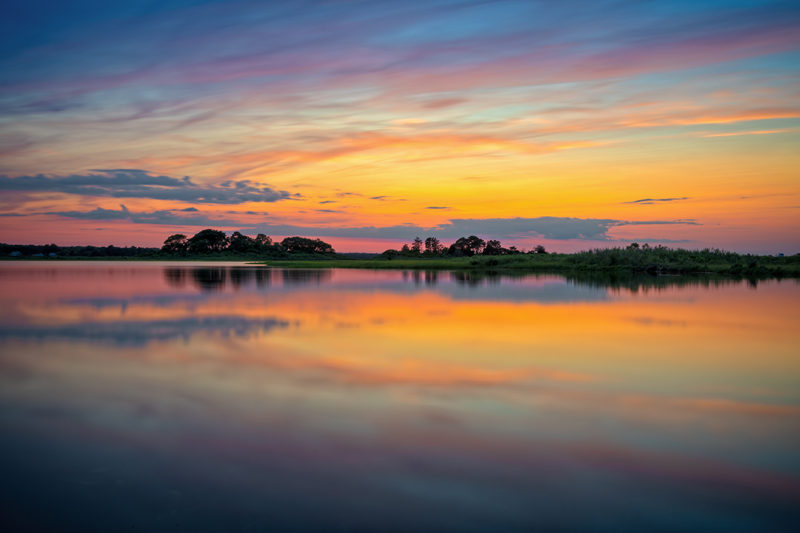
[{"x": 612, "y": 261}]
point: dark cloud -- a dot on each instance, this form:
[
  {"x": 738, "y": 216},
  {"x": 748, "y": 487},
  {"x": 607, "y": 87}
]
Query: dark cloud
[
  {"x": 383, "y": 198},
  {"x": 437, "y": 207},
  {"x": 329, "y": 211},
  {"x": 328, "y": 202},
  {"x": 557, "y": 228},
  {"x": 135, "y": 183},
  {"x": 164, "y": 217},
  {"x": 685, "y": 221},
  {"x": 658, "y": 241},
  {"x": 547, "y": 227},
  {"x": 647, "y": 201}
]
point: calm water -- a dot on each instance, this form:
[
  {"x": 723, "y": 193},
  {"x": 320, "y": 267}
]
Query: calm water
[{"x": 189, "y": 397}]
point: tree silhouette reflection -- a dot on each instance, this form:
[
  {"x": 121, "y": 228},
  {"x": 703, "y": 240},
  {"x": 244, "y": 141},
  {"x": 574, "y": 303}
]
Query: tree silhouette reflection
[
  {"x": 237, "y": 277},
  {"x": 431, "y": 277},
  {"x": 209, "y": 279},
  {"x": 175, "y": 277},
  {"x": 241, "y": 276},
  {"x": 474, "y": 279},
  {"x": 304, "y": 277}
]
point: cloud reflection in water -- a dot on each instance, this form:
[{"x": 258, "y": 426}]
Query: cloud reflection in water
[{"x": 215, "y": 397}]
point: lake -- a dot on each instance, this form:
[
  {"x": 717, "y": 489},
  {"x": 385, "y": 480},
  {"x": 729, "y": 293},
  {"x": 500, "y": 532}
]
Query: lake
[{"x": 226, "y": 397}]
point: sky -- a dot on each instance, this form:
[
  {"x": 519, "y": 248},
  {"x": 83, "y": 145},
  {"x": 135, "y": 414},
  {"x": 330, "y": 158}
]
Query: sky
[{"x": 570, "y": 124}]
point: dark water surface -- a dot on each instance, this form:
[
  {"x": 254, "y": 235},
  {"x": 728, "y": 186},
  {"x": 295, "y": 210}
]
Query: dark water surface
[{"x": 188, "y": 397}]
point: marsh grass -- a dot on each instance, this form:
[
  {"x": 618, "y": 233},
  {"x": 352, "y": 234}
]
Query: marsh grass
[{"x": 657, "y": 260}]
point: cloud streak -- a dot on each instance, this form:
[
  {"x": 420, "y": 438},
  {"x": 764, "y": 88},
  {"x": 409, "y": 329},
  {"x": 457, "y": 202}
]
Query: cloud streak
[
  {"x": 136, "y": 183},
  {"x": 648, "y": 201},
  {"x": 160, "y": 217},
  {"x": 555, "y": 228}
]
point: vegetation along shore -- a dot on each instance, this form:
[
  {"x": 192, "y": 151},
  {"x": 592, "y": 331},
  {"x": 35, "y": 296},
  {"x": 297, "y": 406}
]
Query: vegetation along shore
[{"x": 466, "y": 253}]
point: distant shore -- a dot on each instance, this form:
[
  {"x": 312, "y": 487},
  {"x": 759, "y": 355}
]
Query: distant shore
[
  {"x": 654, "y": 261},
  {"x": 675, "y": 262},
  {"x": 145, "y": 259}
]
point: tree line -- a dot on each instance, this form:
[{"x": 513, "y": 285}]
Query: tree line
[
  {"x": 54, "y": 251},
  {"x": 208, "y": 242},
  {"x": 463, "y": 247},
  {"x": 216, "y": 242},
  {"x": 212, "y": 242}
]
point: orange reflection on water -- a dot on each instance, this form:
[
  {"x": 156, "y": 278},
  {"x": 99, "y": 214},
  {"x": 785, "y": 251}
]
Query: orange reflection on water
[
  {"x": 696, "y": 341},
  {"x": 452, "y": 386}
]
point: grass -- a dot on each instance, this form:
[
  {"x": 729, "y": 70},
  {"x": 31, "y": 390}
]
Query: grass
[
  {"x": 622, "y": 261},
  {"x": 658, "y": 260}
]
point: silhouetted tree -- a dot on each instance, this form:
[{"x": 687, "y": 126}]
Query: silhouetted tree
[
  {"x": 468, "y": 246},
  {"x": 416, "y": 247},
  {"x": 208, "y": 241},
  {"x": 433, "y": 246},
  {"x": 540, "y": 249},
  {"x": 493, "y": 247},
  {"x": 241, "y": 243},
  {"x": 175, "y": 244},
  {"x": 303, "y": 245},
  {"x": 263, "y": 241}
]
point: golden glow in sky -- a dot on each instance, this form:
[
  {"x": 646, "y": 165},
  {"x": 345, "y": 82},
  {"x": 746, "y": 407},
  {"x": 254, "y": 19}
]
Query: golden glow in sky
[{"x": 574, "y": 125}]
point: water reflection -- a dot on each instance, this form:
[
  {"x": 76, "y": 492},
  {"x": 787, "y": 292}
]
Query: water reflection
[
  {"x": 216, "y": 278},
  {"x": 305, "y": 277},
  {"x": 429, "y": 277},
  {"x": 176, "y": 277},
  {"x": 141, "y": 332},
  {"x": 645, "y": 282},
  {"x": 221, "y": 397}
]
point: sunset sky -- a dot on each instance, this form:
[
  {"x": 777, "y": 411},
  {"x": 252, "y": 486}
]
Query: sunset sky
[{"x": 367, "y": 123}]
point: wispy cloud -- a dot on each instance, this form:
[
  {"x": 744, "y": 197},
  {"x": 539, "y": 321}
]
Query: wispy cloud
[
  {"x": 739, "y": 133},
  {"x": 646, "y": 201}
]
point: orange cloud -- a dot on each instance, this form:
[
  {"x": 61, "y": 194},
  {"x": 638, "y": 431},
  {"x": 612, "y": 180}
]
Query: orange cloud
[{"x": 738, "y": 133}]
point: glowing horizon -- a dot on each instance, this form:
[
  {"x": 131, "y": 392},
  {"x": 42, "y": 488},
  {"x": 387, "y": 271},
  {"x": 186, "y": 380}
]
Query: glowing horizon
[{"x": 576, "y": 125}]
